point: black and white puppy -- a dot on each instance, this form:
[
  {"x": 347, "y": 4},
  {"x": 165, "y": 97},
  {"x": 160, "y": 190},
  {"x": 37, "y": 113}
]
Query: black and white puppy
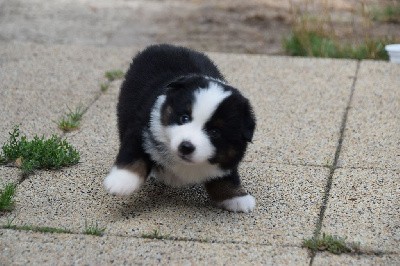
[{"x": 181, "y": 122}]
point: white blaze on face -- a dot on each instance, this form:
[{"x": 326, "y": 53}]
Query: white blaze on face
[{"x": 206, "y": 101}]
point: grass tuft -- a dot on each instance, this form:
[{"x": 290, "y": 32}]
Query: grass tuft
[
  {"x": 7, "y": 197},
  {"x": 332, "y": 244},
  {"x": 114, "y": 74},
  {"x": 111, "y": 76},
  {"x": 41, "y": 229},
  {"x": 39, "y": 153},
  {"x": 316, "y": 44},
  {"x": 104, "y": 86},
  {"x": 72, "y": 120},
  {"x": 93, "y": 229},
  {"x": 389, "y": 14},
  {"x": 156, "y": 234},
  {"x": 314, "y": 35}
]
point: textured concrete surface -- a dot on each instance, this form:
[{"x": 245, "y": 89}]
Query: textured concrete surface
[
  {"x": 364, "y": 206},
  {"x": 372, "y": 137},
  {"x": 8, "y": 175},
  {"x": 288, "y": 201},
  {"x": 361, "y": 260},
  {"x": 300, "y": 104},
  {"x": 98, "y": 138},
  {"x": 39, "y": 83},
  {"x": 64, "y": 249}
]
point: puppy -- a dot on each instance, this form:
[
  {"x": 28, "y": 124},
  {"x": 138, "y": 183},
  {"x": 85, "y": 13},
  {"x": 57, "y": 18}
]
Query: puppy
[{"x": 181, "y": 122}]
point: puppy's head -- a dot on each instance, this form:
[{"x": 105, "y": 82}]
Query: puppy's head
[{"x": 203, "y": 120}]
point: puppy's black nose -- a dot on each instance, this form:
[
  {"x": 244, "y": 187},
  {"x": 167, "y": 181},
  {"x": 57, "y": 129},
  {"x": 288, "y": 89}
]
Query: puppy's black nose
[{"x": 186, "y": 148}]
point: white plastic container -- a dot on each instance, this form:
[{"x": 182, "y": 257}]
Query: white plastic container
[{"x": 394, "y": 52}]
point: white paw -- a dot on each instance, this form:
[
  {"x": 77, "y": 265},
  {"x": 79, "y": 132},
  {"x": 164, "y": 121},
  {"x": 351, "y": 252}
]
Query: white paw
[
  {"x": 122, "y": 182},
  {"x": 239, "y": 204}
]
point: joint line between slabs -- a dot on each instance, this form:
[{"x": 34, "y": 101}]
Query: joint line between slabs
[{"x": 334, "y": 166}]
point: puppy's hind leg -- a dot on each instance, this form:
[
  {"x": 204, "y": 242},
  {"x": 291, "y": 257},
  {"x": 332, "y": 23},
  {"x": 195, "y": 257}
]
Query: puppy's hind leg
[{"x": 130, "y": 171}]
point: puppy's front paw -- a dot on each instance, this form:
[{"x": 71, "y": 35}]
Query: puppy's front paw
[
  {"x": 122, "y": 182},
  {"x": 239, "y": 204}
]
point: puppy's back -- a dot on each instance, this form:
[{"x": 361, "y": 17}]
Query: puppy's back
[{"x": 163, "y": 63}]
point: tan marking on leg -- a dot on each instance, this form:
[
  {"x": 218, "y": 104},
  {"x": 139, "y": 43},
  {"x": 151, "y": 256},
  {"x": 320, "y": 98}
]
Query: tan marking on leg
[
  {"x": 220, "y": 190},
  {"x": 138, "y": 167}
]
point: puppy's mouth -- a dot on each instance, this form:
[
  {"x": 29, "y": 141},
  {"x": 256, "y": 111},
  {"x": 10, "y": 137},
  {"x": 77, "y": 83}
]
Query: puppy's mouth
[{"x": 186, "y": 158}]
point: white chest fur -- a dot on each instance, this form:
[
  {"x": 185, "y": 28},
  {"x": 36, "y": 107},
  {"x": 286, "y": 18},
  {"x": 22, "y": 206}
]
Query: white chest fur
[{"x": 186, "y": 174}]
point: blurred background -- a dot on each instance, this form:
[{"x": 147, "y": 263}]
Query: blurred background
[{"x": 335, "y": 28}]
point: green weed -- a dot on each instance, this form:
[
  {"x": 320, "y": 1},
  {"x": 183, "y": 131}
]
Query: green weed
[
  {"x": 114, "y": 74},
  {"x": 7, "y": 197},
  {"x": 316, "y": 44},
  {"x": 71, "y": 121},
  {"x": 104, "y": 86},
  {"x": 39, "y": 153},
  {"x": 93, "y": 229},
  {"x": 156, "y": 234},
  {"x": 9, "y": 223},
  {"x": 111, "y": 76},
  {"x": 41, "y": 229},
  {"x": 389, "y": 14},
  {"x": 315, "y": 35},
  {"x": 333, "y": 244}
]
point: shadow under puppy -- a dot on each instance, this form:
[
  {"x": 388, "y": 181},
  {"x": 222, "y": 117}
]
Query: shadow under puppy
[{"x": 181, "y": 122}]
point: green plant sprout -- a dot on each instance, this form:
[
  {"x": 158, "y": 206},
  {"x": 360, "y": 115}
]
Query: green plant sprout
[
  {"x": 38, "y": 153},
  {"x": 71, "y": 121}
]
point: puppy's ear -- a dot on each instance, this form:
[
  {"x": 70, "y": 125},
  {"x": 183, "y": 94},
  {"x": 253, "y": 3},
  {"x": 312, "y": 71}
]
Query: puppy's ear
[
  {"x": 248, "y": 120},
  {"x": 178, "y": 83},
  {"x": 188, "y": 81}
]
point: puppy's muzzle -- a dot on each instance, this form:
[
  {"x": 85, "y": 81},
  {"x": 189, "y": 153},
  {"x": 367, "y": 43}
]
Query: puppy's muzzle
[{"x": 186, "y": 148}]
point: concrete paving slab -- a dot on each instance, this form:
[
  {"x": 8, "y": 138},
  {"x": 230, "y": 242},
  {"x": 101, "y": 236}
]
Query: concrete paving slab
[
  {"x": 37, "y": 112},
  {"x": 39, "y": 83},
  {"x": 97, "y": 140},
  {"x": 372, "y": 136},
  {"x": 68, "y": 198},
  {"x": 364, "y": 206},
  {"x": 288, "y": 202},
  {"x": 298, "y": 124},
  {"x": 8, "y": 175},
  {"x": 98, "y": 143},
  {"x": 288, "y": 199},
  {"x": 66, "y": 249},
  {"x": 343, "y": 259},
  {"x": 299, "y": 103}
]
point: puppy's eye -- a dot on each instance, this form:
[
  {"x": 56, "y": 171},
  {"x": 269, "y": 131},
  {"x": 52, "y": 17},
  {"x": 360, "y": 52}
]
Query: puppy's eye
[
  {"x": 214, "y": 133},
  {"x": 184, "y": 119}
]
